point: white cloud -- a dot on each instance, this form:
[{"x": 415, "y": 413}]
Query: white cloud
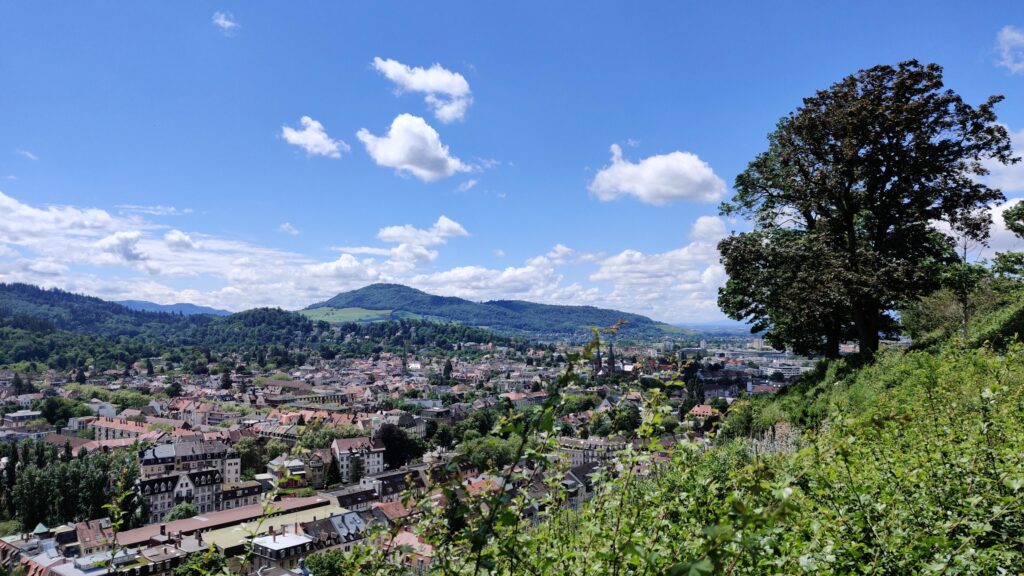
[
  {"x": 1000, "y": 239},
  {"x": 120, "y": 257},
  {"x": 708, "y": 229},
  {"x": 178, "y": 240},
  {"x": 658, "y": 179},
  {"x": 287, "y": 228},
  {"x": 412, "y": 147},
  {"x": 439, "y": 233},
  {"x": 677, "y": 285},
  {"x": 346, "y": 268},
  {"x": 560, "y": 254},
  {"x": 44, "y": 267},
  {"x": 122, "y": 245},
  {"x": 27, "y": 154},
  {"x": 467, "y": 185},
  {"x": 363, "y": 250},
  {"x": 314, "y": 139},
  {"x": 226, "y": 22},
  {"x": 156, "y": 210},
  {"x": 446, "y": 92},
  {"x": 412, "y": 245},
  {"x": 1008, "y": 178},
  {"x": 25, "y": 225},
  {"x": 1010, "y": 42},
  {"x": 499, "y": 253},
  {"x": 537, "y": 280}
]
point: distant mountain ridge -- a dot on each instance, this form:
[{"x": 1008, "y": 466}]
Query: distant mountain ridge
[
  {"x": 48, "y": 310},
  {"x": 183, "y": 308},
  {"x": 514, "y": 317},
  {"x": 83, "y": 314}
]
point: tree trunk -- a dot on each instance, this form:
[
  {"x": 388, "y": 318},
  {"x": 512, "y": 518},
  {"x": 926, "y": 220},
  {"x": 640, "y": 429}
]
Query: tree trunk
[
  {"x": 866, "y": 322},
  {"x": 832, "y": 341}
]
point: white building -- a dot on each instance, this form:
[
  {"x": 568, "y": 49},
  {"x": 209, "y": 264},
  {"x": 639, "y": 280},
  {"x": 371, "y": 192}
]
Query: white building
[{"x": 348, "y": 450}]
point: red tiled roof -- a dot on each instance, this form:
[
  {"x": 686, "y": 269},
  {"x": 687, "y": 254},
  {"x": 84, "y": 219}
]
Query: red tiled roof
[{"x": 217, "y": 519}]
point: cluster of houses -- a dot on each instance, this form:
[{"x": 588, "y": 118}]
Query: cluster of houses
[{"x": 186, "y": 450}]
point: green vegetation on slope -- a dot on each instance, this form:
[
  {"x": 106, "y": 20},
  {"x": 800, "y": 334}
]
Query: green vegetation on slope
[
  {"x": 920, "y": 470},
  {"x": 341, "y": 315}
]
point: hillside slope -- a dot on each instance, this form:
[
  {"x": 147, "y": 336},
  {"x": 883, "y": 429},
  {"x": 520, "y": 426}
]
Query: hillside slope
[
  {"x": 514, "y": 317},
  {"x": 87, "y": 314},
  {"x": 920, "y": 470},
  {"x": 36, "y": 313},
  {"x": 911, "y": 465}
]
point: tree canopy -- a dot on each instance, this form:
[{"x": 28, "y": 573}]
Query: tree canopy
[
  {"x": 181, "y": 511},
  {"x": 857, "y": 205}
]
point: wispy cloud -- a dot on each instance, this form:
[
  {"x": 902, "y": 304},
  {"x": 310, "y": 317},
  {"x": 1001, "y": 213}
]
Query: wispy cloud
[
  {"x": 467, "y": 185},
  {"x": 27, "y": 154},
  {"x": 155, "y": 210},
  {"x": 412, "y": 245},
  {"x": 1010, "y": 43},
  {"x": 226, "y": 22},
  {"x": 287, "y": 228}
]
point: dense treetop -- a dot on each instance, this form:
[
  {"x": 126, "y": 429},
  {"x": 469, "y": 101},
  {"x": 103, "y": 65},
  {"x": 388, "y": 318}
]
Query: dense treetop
[{"x": 858, "y": 203}]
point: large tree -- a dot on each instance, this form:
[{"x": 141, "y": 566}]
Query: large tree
[
  {"x": 181, "y": 512},
  {"x": 202, "y": 564},
  {"x": 399, "y": 447},
  {"x": 856, "y": 204},
  {"x": 789, "y": 285}
]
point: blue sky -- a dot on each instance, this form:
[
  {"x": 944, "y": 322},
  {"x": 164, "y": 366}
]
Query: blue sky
[{"x": 159, "y": 151}]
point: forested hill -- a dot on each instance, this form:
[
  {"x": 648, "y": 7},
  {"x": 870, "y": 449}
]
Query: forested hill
[
  {"x": 183, "y": 308},
  {"x": 515, "y": 317},
  {"x": 38, "y": 325},
  {"x": 86, "y": 314},
  {"x": 62, "y": 330}
]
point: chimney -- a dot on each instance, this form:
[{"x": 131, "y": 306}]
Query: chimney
[
  {"x": 163, "y": 529},
  {"x": 273, "y": 535}
]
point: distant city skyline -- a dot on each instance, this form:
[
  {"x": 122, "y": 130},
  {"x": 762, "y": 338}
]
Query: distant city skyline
[{"x": 237, "y": 154}]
